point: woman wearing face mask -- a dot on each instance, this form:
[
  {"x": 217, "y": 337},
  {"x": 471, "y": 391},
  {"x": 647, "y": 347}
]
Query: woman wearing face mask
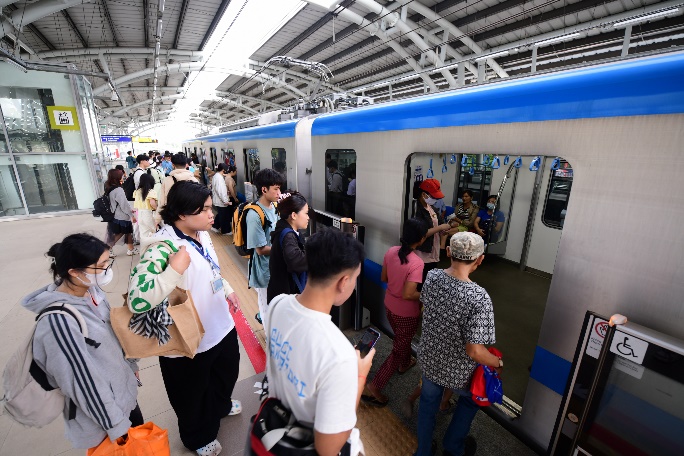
[
  {"x": 427, "y": 193},
  {"x": 99, "y": 383},
  {"x": 288, "y": 259},
  {"x": 488, "y": 223}
]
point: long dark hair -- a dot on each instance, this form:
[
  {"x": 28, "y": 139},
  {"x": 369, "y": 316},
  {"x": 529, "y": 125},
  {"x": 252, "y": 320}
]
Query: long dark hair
[
  {"x": 76, "y": 251},
  {"x": 146, "y": 184},
  {"x": 113, "y": 179},
  {"x": 414, "y": 230}
]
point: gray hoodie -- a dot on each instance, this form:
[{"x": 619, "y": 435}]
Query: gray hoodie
[{"x": 99, "y": 380}]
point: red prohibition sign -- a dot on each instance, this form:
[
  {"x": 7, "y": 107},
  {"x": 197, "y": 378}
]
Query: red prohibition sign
[{"x": 601, "y": 329}]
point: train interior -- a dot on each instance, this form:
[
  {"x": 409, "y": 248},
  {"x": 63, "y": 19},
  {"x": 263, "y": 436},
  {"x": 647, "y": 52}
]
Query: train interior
[{"x": 519, "y": 262}]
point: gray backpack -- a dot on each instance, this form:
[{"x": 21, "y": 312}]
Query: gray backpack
[{"x": 29, "y": 399}]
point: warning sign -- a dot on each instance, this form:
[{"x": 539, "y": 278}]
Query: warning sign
[{"x": 599, "y": 328}]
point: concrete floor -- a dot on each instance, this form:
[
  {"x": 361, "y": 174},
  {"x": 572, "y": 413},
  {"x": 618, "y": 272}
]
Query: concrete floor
[{"x": 24, "y": 269}]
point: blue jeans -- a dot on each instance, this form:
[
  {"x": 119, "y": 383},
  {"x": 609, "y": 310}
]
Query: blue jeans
[{"x": 454, "y": 438}]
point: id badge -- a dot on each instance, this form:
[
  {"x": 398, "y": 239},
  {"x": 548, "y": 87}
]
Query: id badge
[{"x": 217, "y": 284}]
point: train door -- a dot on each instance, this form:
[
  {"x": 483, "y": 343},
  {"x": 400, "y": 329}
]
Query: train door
[
  {"x": 252, "y": 163},
  {"x": 213, "y": 158},
  {"x": 531, "y": 202}
]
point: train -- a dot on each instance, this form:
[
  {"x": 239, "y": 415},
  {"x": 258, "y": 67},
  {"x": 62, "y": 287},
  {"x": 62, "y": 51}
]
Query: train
[{"x": 587, "y": 163}]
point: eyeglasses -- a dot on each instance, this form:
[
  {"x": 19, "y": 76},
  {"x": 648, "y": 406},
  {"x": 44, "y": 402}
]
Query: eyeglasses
[{"x": 110, "y": 263}]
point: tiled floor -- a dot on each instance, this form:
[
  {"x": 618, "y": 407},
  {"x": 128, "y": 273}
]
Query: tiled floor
[{"x": 23, "y": 269}]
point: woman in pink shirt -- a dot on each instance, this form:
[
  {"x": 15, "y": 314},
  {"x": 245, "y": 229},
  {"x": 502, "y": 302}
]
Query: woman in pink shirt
[{"x": 402, "y": 269}]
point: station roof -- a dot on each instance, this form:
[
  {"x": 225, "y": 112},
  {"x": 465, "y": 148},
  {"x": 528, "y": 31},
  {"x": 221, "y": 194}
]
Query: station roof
[{"x": 377, "y": 48}]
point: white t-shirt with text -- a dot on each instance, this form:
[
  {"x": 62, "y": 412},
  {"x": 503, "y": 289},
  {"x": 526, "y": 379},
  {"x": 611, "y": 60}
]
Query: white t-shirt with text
[{"x": 312, "y": 367}]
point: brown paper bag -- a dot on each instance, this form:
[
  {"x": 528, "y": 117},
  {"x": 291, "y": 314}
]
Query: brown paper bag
[{"x": 186, "y": 331}]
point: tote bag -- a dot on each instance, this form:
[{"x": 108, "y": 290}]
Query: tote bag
[{"x": 186, "y": 331}]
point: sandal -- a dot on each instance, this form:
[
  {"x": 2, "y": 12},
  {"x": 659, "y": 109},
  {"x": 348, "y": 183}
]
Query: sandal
[
  {"x": 411, "y": 364},
  {"x": 236, "y": 408},
  {"x": 374, "y": 401}
]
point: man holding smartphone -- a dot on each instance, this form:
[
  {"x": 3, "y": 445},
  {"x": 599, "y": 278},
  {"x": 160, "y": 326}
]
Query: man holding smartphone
[
  {"x": 311, "y": 364},
  {"x": 458, "y": 321}
]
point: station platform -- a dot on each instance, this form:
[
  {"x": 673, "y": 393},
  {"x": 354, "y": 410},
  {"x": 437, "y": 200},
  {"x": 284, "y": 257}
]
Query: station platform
[{"x": 384, "y": 431}]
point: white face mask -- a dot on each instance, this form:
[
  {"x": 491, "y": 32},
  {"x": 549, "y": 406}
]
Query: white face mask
[
  {"x": 101, "y": 279},
  {"x": 430, "y": 200}
]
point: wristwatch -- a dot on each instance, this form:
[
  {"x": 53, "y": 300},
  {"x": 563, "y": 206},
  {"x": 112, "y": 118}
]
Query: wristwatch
[{"x": 500, "y": 362}]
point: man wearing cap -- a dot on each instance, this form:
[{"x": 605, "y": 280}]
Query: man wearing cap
[{"x": 458, "y": 321}]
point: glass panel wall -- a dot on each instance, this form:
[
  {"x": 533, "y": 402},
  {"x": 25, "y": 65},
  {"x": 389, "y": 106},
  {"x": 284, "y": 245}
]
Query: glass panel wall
[{"x": 45, "y": 165}]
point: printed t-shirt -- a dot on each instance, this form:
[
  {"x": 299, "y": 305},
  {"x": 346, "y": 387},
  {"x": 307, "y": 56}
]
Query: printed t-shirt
[
  {"x": 312, "y": 367},
  {"x": 260, "y": 237},
  {"x": 139, "y": 203},
  {"x": 455, "y": 313},
  {"x": 397, "y": 275}
]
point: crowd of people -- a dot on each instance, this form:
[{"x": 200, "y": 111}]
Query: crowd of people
[{"x": 311, "y": 366}]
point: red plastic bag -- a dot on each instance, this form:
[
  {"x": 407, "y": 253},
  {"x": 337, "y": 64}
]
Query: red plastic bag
[
  {"x": 478, "y": 385},
  {"x": 144, "y": 440}
]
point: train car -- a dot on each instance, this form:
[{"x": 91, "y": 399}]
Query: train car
[{"x": 586, "y": 163}]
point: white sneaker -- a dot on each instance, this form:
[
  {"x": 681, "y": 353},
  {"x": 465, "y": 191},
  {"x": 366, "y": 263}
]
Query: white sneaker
[
  {"x": 214, "y": 230},
  {"x": 135, "y": 251},
  {"x": 112, "y": 254},
  {"x": 212, "y": 449},
  {"x": 235, "y": 408}
]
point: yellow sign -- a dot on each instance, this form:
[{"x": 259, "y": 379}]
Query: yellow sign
[
  {"x": 143, "y": 139},
  {"x": 63, "y": 118}
]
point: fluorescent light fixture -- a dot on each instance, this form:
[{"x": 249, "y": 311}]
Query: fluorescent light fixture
[
  {"x": 327, "y": 4},
  {"x": 491, "y": 56},
  {"x": 646, "y": 17},
  {"x": 557, "y": 39}
]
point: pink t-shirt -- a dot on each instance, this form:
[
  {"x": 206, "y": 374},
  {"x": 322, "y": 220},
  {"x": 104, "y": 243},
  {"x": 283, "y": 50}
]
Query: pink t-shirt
[{"x": 397, "y": 275}]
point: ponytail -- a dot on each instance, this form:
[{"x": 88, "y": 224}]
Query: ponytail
[
  {"x": 404, "y": 251},
  {"x": 414, "y": 230}
]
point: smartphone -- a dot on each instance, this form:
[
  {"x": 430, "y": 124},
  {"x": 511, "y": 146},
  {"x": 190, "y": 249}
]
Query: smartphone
[{"x": 368, "y": 341}]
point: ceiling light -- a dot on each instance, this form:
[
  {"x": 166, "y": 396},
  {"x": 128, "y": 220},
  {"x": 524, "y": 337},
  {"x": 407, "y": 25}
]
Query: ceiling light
[
  {"x": 646, "y": 17},
  {"x": 327, "y": 4},
  {"x": 491, "y": 56},
  {"x": 557, "y": 39}
]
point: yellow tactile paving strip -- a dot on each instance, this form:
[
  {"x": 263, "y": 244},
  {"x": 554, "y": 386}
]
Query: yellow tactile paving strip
[{"x": 383, "y": 434}]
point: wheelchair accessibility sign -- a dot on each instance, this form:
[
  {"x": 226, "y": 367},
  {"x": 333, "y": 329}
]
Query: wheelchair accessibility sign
[{"x": 629, "y": 347}]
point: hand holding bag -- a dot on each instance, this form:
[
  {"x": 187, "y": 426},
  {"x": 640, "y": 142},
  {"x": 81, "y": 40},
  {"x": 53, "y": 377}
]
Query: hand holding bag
[
  {"x": 144, "y": 440},
  {"x": 186, "y": 331}
]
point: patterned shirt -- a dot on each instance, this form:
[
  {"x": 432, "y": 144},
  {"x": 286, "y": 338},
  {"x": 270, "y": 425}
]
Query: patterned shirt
[{"x": 456, "y": 313}]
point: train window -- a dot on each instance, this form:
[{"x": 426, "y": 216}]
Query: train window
[
  {"x": 279, "y": 162},
  {"x": 228, "y": 156},
  {"x": 340, "y": 182},
  {"x": 558, "y": 195},
  {"x": 252, "y": 163}
]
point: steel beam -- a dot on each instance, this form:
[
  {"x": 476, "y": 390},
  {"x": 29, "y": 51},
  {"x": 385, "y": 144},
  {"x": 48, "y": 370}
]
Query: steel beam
[{"x": 214, "y": 23}]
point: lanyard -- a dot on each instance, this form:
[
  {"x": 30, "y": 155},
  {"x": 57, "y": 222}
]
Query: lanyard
[{"x": 202, "y": 251}]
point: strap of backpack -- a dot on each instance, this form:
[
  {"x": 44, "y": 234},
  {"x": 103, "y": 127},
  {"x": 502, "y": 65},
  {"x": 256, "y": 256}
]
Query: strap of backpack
[{"x": 174, "y": 179}]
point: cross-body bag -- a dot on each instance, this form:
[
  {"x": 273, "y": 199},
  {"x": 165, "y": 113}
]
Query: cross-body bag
[{"x": 275, "y": 430}]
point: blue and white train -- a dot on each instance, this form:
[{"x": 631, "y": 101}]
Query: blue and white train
[{"x": 593, "y": 216}]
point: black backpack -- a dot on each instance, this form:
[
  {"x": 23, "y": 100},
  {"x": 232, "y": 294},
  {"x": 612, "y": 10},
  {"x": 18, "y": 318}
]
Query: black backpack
[
  {"x": 102, "y": 208},
  {"x": 129, "y": 184}
]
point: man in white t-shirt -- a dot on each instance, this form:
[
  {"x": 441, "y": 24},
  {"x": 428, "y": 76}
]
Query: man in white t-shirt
[{"x": 311, "y": 365}]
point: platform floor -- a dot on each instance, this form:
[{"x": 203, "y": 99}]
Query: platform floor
[{"x": 24, "y": 269}]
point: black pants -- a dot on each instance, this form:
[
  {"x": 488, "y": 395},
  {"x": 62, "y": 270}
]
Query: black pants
[
  {"x": 136, "y": 417},
  {"x": 200, "y": 389},
  {"x": 427, "y": 267},
  {"x": 222, "y": 220}
]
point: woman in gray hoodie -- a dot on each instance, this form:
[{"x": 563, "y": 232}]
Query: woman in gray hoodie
[{"x": 99, "y": 383}]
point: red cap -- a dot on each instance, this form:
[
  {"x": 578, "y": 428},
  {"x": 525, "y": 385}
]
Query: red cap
[{"x": 431, "y": 186}]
